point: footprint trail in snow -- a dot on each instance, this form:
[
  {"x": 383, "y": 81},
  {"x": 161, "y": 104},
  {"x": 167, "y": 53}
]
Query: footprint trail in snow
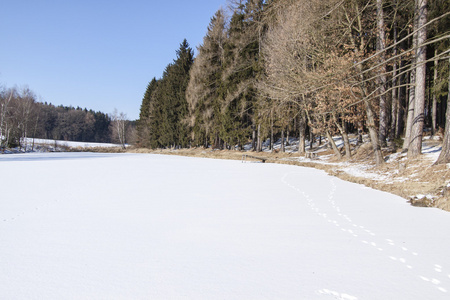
[{"x": 410, "y": 260}]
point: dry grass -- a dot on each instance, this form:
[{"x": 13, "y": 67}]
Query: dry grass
[
  {"x": 405, "y": 178},
  {"x": 98, "y": 149},
  {"x": 410, "y": 179}
]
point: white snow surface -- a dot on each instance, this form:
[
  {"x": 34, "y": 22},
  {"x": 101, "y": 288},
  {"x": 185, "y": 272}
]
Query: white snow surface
[{"x": 143, "y": 226}]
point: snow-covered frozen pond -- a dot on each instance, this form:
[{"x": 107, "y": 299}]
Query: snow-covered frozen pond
[{"x": 138, "y": 226}]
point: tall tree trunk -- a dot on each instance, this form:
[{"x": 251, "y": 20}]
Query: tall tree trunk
[
  {"x": 415, "y": 145},
  {"x": 395, "y": 98},
  {"x": 259, "y": 141},
  {"x": 333, "y": 145},
  {"x": 411, "y": 94},
  {"x": 343, "y": 130},
  {"x": 359, "y": 138},
  {"x": 410, "y": 115},
  {"x": 282, "y": 140},
  {"x": 369, "y": 110},
  {"x": 401, "y": 96},
  {"x": 434, "y": 104},
  {"x": 444, "y": 157},
  {"x": 348, "y": 151},
  {"x": 253, "y": 138},
  {"x": 381, "y": 80},
  {"x": 302, "y": 134},
  {"x": 271, "y": 132},
  {"x": 373, "y": 133}
]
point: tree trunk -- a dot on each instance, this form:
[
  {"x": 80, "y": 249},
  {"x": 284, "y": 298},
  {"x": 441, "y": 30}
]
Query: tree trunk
[
  {"x": 282, "y": 141},
  {"x": 370, "y": 122},
  {"x": 348, "y": 151},
  {"x": 411, "y": 94},
  {"x": 369, "y": 110},
  {"x": 343, "y": 130},
  {"x": 271, "y": 133},
  {"x": 444, "y": 157},
  {"x": 415, "y": 145},
  {"x": 373, "y": 133},
  {"x": 410, "y": 115},
  {"x": 395, "y": 98},
  {"x": 301, "y": 135},
  {"x": 434, "y": 104},
  {"x": 401, "y": 95},
  {"x": 333, "y": 145},
  {"x": 259, "y": 141},
  {"x": 253, "y": 138},
  {"x": 359, "y": 139},
  {"x": 381, "y": 80}
]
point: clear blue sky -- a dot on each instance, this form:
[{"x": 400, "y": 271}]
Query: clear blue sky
[{"x": 97, "y": 54}]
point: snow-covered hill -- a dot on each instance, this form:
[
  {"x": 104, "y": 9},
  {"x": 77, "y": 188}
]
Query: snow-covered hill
[{"x": 138, "y": 226}]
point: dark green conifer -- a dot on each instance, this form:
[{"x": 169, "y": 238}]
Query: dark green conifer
[{"x": 164, "y": 105}]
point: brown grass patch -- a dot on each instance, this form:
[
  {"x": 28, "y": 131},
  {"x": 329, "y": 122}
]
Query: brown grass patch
[{"x": 98, "y": 149}]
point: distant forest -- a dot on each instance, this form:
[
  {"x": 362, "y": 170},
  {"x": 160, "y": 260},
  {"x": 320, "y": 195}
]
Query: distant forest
[
  {"x": 21, "y": 116},
  {"x": 278, "y": 68}
]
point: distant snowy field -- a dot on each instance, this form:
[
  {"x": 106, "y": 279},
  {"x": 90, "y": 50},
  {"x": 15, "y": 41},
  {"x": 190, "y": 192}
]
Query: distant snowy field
[
  {"x": 46, "y": 145},
  {"x": 72, "y": 144},
  {"x": 141, "y": 226}
]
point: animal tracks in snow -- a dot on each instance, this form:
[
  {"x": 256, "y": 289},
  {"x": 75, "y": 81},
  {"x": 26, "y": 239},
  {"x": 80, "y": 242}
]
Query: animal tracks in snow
[
  {"x": 335, "y": 216},
  {"x": 29, "y": 211}
]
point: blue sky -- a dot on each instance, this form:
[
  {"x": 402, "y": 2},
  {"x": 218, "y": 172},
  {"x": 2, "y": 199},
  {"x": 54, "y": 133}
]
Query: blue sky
[{"x": 96, "y": 54}]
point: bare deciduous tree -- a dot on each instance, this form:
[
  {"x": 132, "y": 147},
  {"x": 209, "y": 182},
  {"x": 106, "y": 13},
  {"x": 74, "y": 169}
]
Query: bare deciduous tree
[
  {"x": 5, "y": 127},
  {"x": 119, "y": 128}
]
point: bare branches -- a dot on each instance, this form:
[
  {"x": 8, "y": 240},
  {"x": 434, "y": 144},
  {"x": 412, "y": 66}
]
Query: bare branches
[{"x": 119, "y": 121}]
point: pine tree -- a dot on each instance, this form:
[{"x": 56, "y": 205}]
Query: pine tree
[
  {"x": 205, "y": 90},
  {"x": 144, "y": 122},
  {"x": 241, "y": 71},
  {"x": 164, "y": 105},
  {"x": 179, "y": 82}
]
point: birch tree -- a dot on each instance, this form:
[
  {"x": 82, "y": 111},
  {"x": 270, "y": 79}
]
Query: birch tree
[
  {"x": 118, "y": 123},
  {"x": 5, "y": 126}
]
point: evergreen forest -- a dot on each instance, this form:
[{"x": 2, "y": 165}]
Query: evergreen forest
[{"x": 270, "y": 70}]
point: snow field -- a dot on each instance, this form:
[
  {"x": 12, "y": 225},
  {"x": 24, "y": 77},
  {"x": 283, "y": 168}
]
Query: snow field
[{"x": 136, "y": 226}]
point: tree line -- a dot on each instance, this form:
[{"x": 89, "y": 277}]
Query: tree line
[
  {"x": 22, "y": 117},
  {"x": 277, "y": 68}
]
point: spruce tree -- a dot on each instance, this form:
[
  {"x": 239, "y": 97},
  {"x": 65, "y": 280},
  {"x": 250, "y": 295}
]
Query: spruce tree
[
  {"x": 205, "y": 89},
  {"x": 242, "y": 70},
  {"x": 145, "y": 115},
  {"x": 164, "y": 106}
]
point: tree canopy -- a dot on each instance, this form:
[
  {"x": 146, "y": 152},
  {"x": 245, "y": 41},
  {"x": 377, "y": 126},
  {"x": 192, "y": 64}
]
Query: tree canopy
[{"x": 267, "y": 69}]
